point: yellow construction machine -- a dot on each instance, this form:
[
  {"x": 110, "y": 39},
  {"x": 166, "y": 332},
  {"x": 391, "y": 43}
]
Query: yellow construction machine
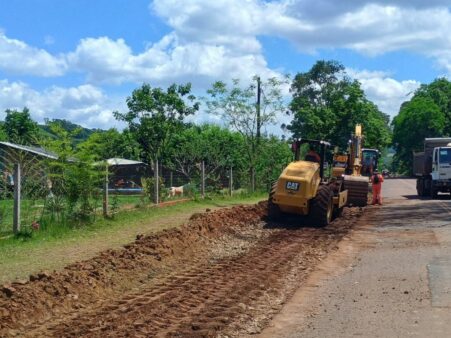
[
  {"x": 355, "y": 168},
  {"x": 304, "y": 189}
]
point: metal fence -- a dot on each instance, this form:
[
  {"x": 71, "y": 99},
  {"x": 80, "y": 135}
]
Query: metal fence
[{"x": 28, "y": 192}]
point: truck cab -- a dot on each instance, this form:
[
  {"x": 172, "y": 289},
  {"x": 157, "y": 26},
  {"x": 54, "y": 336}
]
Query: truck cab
[
  {"x": 433, "y": 167},
  {"x": 441, "y": 165}
]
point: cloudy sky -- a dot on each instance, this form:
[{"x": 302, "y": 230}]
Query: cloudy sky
[{"x": 79, "y": 60}]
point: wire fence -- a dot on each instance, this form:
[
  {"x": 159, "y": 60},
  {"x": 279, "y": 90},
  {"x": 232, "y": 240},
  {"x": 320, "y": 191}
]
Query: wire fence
[{"x": 37, "y": 190}]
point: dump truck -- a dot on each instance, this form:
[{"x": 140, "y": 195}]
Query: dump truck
[
  {"x": 304, "y": 189},
  {"x": 432, "y": 167}
]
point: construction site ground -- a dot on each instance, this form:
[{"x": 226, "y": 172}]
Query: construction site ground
[{"x": 374, "y": 272}]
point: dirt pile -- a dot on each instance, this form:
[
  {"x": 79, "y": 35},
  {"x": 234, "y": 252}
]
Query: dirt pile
[{"x": 24, "y": 303}]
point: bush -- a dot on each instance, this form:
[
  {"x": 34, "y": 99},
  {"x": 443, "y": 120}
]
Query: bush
[{"x": 148, "y": 184}]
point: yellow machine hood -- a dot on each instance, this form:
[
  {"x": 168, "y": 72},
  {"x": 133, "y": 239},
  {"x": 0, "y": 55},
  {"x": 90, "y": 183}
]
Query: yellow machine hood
[{"x": 301, "y": 170}]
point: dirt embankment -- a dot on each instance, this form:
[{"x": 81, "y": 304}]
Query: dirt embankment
[{"x": 224, "y": 273}]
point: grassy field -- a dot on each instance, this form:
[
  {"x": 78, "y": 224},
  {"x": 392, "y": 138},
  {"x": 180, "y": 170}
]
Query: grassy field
[
  {"x": 54, "y": 248},
  {"x": 32, "y": 210}
]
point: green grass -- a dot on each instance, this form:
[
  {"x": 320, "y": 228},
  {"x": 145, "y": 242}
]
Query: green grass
[
  {"x": 55, "y": 247},
  {"x": 146, "y": 213},
  {"x": 32, "y": 210}
]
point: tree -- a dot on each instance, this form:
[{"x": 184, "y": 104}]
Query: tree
[
  {"x": 417, "y": 119},
  {"x": 110, "y": 143},
  {"x": 74, "y": 177},
  {"x": 275, "y": 154},
  {"x": 327, "y": 105},
  {"x": 238, "y": 109},
  {"x": 81, "y": 135},
  {"x": 439, "y": 91},
  {"x": 218, "y": 147},
  {"x": 20, "y": 128},
  {"x": 3, "y": 134},
  {"x": 427, "y": 114},
  {"x": 155, "y": 115}
]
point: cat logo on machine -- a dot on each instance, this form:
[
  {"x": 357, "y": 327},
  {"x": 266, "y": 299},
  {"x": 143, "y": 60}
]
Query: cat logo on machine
[{"x": 292, "y": 186}]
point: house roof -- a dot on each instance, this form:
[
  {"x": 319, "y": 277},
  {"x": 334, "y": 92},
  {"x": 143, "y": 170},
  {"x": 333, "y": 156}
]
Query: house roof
[{"x": 122, "y": 161}]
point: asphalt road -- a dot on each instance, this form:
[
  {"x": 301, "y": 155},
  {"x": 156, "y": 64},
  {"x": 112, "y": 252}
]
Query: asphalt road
[{"x": 391, "y": 277}]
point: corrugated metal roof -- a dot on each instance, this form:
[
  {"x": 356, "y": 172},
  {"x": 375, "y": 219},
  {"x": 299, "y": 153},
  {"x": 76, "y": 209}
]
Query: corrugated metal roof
[
  {"x": 34, "y": 150},
  {"x": 122, "y": 161}
]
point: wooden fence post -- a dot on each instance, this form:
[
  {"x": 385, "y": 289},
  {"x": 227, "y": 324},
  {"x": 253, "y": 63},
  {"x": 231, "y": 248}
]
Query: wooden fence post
[
  {"x": 202, "y": 185},
  {"x": 231, "y": 181},
  {"x": 105, "y": 192},
  {"x": 17, "y": 197},
  {"x": 156, "y": 197}
]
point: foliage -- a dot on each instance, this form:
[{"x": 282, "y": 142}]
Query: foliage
[
  {"x": 274, "y": 156},
  {"x": 108, "y": 144},
  {"x": 238, "y": 109},
  {"x": 417, "y": 119},
  {"x": 3, "y": 134},
  {"x": 439, "y": 91},
  {"x": 75, "y": 181},
  {"x": 81, "y": 134},
  {"x": 20, "y": 128},
  {"x": 327, "y": 105},
  {"x": 219, "y": 147},
  {"x": 155, "y": 115},
  {"x": 148, "y": 184}
]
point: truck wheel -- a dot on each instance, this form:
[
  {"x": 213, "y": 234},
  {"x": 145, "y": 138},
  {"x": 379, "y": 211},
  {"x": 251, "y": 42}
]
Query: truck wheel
[
  {"x": 420, "y": 189},
  {"x": 321, "y": 207},
  {"x": 434, "y": 193},
  {"x": 273, "y": 209}
]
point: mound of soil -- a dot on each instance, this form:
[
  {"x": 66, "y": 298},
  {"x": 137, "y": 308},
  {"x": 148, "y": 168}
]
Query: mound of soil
[{"x": 45, "y": 294}]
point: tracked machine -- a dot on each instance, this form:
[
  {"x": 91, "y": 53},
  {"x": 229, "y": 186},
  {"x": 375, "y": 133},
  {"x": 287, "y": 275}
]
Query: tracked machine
[
  {"x": 355, "y": 168},
  {"x": 303, "y": 189}
]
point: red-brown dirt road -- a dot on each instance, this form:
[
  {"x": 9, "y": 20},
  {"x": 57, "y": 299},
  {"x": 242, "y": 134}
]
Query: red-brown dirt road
[{"x": 225, "y": 273}]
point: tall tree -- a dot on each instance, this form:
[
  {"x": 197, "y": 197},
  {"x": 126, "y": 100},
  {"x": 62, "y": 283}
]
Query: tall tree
[
  {"x": 155, "y": 115},
  {"x": 327, "y": 104},
  {"x": 237, "y": 107},
  {"x": 417, "y": 119},
  {"x": 110, "y": 143},
  {"x": 439, "y": 91},
  {"x": 220, "y": 148},
  {"x": 20, "y": 128}
]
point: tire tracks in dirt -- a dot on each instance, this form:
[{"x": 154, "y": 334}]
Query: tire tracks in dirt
[{"x": 233, "y": 283}]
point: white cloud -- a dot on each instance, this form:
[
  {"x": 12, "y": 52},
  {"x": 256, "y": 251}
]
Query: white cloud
[
  {"x": 112, "y": 61},
  {"x": 387, "y": 93},
  {"x": 86, "y": 105},
  {"x": 213, "y": 40},
  {"x": 370, "y": 27},
  {"x": 219, "y": 39},
  {"x": 16, "y": 57}
]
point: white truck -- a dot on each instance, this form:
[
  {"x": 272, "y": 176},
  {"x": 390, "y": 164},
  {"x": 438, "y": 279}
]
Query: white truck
[{"x": 432, "y": 167}]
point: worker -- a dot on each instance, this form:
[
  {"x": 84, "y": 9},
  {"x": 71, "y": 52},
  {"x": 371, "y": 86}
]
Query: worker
[
  {"x": 376, "y": 180},
  {"x": 312, "y": 155}
]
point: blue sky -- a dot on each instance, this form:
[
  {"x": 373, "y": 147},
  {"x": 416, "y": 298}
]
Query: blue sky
[{"x": 79, "y": 60}]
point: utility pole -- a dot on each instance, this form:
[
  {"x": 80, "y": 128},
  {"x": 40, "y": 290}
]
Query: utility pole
[{"x": 258, "y": 133}]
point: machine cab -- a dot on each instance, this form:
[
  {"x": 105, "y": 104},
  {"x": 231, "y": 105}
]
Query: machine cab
[
  {"x": 370, "y": 159},
  {"x": 441, "y": 163}
]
